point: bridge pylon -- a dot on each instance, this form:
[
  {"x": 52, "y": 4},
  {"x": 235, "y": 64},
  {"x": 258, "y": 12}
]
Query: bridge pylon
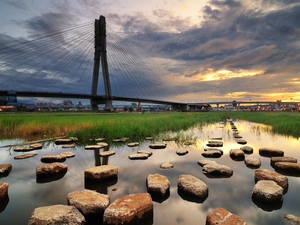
[{"x": 100, "y": 53}]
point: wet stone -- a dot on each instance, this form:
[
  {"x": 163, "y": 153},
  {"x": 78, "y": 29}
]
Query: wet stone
[
  {"x": 158, "y": 145},
  {"x": 291, "y": 219},
  {"x": 166, "y": 165},
  {"x": 24, "y": 156},
  {"x": 182, "y": 152},
  {"x": 138, "y": 156},
  {"x": 217, "y": 170},
  {"x": 89, "y": 203},
  {"x": 252, "y": 162},
  {"x": 62, "y": 141},
  {"x": 51, "y": 169},
  {"x": 133, "y": 144},
  {"x": 288, "y": 167},
  {"x": 237, "y": 154},
  {"x": 56, "y": 214},
  {"x": 107, "y": 153},
  {"x": 267, "y": 191},
  {"x": 5, "y": 169},
  {"x": 264, "y": 174},
  {"x": 68, "y": 146},
  {"x": 157, "y": 184},
  {"x": 130, "y": 209},
  {"x": 68, "y": 154},
  {"x": 212, "y": 154},
  {"x": 241, "y": 141},
  {"x": 222, "y": 216},
  {"x": 214, "y": 144},
  {"x": 282, "y": 159},
  {"x": 144, "y": 152},
  {"x": 100, "y": 173},
  {"x": 3, "y": 191},
  {"x": 270, "y": 152},
  {"x": 53, "y": 158},
  {"x": 247, "y": 149}
]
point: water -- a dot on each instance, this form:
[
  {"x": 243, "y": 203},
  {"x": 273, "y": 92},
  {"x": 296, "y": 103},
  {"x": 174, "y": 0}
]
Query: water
[{"x": 233, "y": 193}]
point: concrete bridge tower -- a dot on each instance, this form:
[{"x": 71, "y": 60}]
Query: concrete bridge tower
[{"x": 100, "y": 53}]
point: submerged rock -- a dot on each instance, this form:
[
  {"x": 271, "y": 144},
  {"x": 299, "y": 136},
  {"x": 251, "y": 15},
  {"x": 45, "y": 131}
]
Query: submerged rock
[
  {"x": 222, "y": 216},
  {"x": 56, "y": 214}
]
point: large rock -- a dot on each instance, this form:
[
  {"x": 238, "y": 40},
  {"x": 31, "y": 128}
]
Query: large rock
[
  {"x": 252, "y": 161},
  {"x": 217, "y": 170},
  {"x": 100, "y": 173},
  {"x": 221, "y": 216},
  {"x": 191, "y": 188},
  {"x": 24, "y": 156},
  {"x": 270, "y": 152},
  {"x": 157, "y": 184},
  {"x": 237, "y": 154},
  {"x": 51, "y": 169},
  {"x": 89, "y": 203},
  {"x": 56, "y": 214},
  {"x": 129, "y": 209},
  {"x": 288, "y": 168},
  {"x": 264, "y": 174},
  {"x": 267, "y": 191},
  {"x": 5, "y": 169},
  {"x": 282, "y": 159},
  {"x": 53, "y": 158},
  {"x": 247, "y": 149},
  {"x": 3, "y": 191}
]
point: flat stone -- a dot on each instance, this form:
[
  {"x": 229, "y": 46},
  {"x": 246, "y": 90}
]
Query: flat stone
[
  {"x": 89, "y": 203},
  {"x": 62, "y": 141},
  {"x": 5, "y": 169},
  {"x": 252, "y": 161},
  {"x": 182, "y": 152},
  {"x": 215, "y": 144},
  {"x": 100, "y": 173},
  {"x": 216, "y": 138},
  {"x": 282, "y": 159},
  {"x": 129, "y": 209},
  {"x": 56, "y": 214},
  {"x": 213, "y": 149},
  {"x": 138, "y": 156},
  {"x": 158, "y": 145},
  {"x": 212, "y": 154},
  {"x": 51, "y": 169},
  {"x": 144, "y": 152},
  {"x": 188, "y": 142},
  {"x": 53, "y": 158},
  {"x": 247, "y": 149},
  {"x": 102, "y": 144},
  {"x": 99, "y": 139},
  {"x": 133, "y": 144},
  {"x": 203, "y": 162},
  {"x": 264, "y": 174},
  {"x": 288, "y": 167},
  {"x": 222, "y": 216},
  {"x": 31, "y": 147},
  {"x": 192, "y": 186},
  {"x": 107, "y": 153},
  {"x": 93, "y": 147},
  {"x": 68, "y": 154},
  {"x": 3, "y": 190},
  {"x": 25, "y": 156},
  {"x": 157, "y": 184},
  {"x": 267, "y": 191},
  {"x": 149, "y": 138},
  {"x": 68, "y": 146},
  {"x": 237, "y": 135},
  {"x": 217, "y": 170},
  {"x": 241, "y": 141},
  {"x": 270, "y": 152},
  {"x": 123, "y": 139},
  {"x": 292, "y": 219},
  {"x": 237, "y": 154},
  {"x": 166, "y": 165}
]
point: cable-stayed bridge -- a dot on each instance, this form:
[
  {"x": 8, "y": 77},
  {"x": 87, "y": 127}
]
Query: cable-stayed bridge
[{"x": 86, "y": 61}]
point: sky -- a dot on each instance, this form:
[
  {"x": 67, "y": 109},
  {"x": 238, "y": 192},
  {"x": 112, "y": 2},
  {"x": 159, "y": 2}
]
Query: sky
[{"x": 205, "y": 50}]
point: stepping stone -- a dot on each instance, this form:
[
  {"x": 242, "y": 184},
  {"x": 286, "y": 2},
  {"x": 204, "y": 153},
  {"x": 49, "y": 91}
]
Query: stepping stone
[
  {"x": 212, "y": 154},
  {"x": 25, "y": 156},
  {"x": 192, "y": 187},
  {"x": 99, "y": 139},
  {"x": 53, "y": 158},
  {"x": 89, "y": 203},
  {"x": 68, "y": 154},
  {"x": 102, "y": 144},
  {"x": 157, "y": 184},
  {"x": 182, "y": 152},
  {"x": 252, "y": 162},
  {"x": 217, "y": 170},
  {"x": 3, "y": 191},
  {"x": 100, "y": 173},
  {"x": 107, "y": 153},
  {"x": 203, "y": 162},
  {"x": 264, "y": 174},
  {"x": 270, "y": 152},
  {"x": 222, "y": 216},
  {"x": 5, "y": 169},
  {"x": 138, "y": 156},
  {"x": 241, "y": 141},
  {"x": 237, "y": 154},
  {"x": 292, "y": 219},
  {"x": 133, "y": 144},
  {"x": 169, "y": 139},
  {"x": 247, "y": 149},
  {"x": 62, "y": 141},
  {"x": 144, "y": 152},
  {"x": 216, "y": 138},
  {"x": 68, "y": 146},
  {"x": 51, "y": 169},
  {"x": 56, "y": 214},
  {"x": 213, "y": 149},
  {"x": 166, "y": 165},
  {"x": 158, "y": 145},
  {"x": 28, "y": 148},
  {"x": 129, "y": 209},
  {"x": 123, "y": 139},
  {"x": 288, "y": 168},
  {"x": 237, "y": 136},
  {"x": 214, "y": 144},
  {"x": 149, "y": 138},
  {"x": 282, "y": 159},
  {"x": 93, "y": 147},
  {"x": 267, "y": 191}
]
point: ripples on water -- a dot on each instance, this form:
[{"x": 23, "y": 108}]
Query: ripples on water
[{"x": 233, "y": 193}]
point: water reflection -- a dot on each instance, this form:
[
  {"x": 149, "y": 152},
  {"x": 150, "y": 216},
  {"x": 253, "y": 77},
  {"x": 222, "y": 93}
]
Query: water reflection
[{"x": 232, "y": 193}]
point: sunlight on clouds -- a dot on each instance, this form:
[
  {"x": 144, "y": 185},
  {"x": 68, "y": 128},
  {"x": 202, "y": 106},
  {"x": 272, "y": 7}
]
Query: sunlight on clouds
[{"x": 284, "y": 96}]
